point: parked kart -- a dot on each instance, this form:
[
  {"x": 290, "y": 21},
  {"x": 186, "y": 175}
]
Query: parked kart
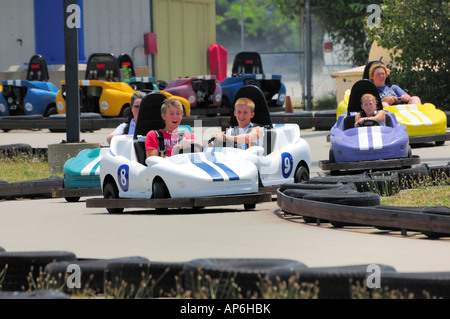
[
  {"x": 370, "y": 146},
  {"x": 126, "y": 173},
  {"x": 33, "y": 96},
  {"x": 141, "y": 83},
  {"x": 203, "y": 92},
  {"x": 285, "y": 157},
  {"x": 247, "y": 70},
  {"x": 424, "y": 122},
  {"x": 102, "y": 91}
]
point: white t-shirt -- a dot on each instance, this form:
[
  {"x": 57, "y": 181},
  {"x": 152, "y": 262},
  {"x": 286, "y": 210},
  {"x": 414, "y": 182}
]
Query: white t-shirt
[
  {"x": 238, "y": 131},
  {"x": 121, "y": 128}
]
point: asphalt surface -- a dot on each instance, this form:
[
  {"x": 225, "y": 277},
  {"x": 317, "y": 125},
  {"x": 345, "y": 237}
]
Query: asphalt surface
[{"x": 212, "y": 232}]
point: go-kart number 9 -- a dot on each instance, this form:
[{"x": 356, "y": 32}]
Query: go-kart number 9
[
  {"x": 123, "y": 177},
  {"x": 286, "y": 164}
]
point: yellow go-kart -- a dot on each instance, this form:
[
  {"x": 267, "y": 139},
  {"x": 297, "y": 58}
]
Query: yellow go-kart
[
  {"x": 103, "y": 92},
  {"x": 424, "y": 122}
]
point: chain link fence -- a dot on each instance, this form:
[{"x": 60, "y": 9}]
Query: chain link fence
[{"x": 288, "y": 58}]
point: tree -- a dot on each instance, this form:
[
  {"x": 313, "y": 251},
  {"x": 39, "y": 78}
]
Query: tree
[
  {"x": 265, "y": 28},
  {"x": 418, "y": 33},
  {"x": 344, "y": 20}
]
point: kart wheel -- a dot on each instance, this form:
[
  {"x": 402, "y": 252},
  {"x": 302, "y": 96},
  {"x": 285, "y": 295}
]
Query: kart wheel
[
  {"x": 249, "y": 206},
  {"x": 72, "y": 199},
  {"x": 159, "y": 190},
  {"x": 111, "y": 191},
  {"x": 50, "y": 111},
  {"x": 301, "y": 175}
]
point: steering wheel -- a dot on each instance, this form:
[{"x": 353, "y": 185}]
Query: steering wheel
[
  {"x": 193, "y": 146},
  {"x": 370, "y": 122}
]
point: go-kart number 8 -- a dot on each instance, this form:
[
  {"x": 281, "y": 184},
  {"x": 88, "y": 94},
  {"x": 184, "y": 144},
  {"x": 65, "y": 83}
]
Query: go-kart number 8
[
  {"x": 286, "y": 164},
  {"x": 123, "y": 177}
]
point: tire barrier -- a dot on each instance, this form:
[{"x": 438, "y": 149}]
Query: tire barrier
[
  {"x": 29, "y": 189},
  {"x": 11, "y": 150},
  {"x": 19, "y": 265},
  {"x": 433, "y": 222},
  {"x": 333, "y": 282},
  {"x": 227, "y": 277},
  {"x": 245, "y": 273},
  {"x": 40, "y": 294},
  {"x": 127, "y": 274}
]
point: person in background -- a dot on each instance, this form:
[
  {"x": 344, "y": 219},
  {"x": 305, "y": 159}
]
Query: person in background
[
  {"x": 369, "y": 112},
  {"x": 246, "y": 134},
  {"x": 129, "y": 126},
  {"x": 389, "y": 94}
]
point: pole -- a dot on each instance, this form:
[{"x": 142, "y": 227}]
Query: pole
[
  {"x": 308, "y": 58},
  {"x": 72, "y": 22}
]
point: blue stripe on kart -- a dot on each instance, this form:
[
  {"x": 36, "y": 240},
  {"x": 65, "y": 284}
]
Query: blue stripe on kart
[
  {"x": 197, "y": 161},
  {"x": 231, "y": 174}
]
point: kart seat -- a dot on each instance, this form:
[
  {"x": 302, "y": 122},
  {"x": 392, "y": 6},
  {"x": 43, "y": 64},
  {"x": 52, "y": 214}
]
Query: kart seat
[
  {"x": 270, "y": 137},
  {"x": 349, "y": 122},
  {"x": 139, "y": 148},
  {"x": 247, "y": 63},
  {"x": 262, "y": 114},
  {"x": 37, "y": 69}
]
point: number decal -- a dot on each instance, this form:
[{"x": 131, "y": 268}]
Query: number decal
[
  {"x": 123, "y": 177},
  {"x": 286, "y": 164}
]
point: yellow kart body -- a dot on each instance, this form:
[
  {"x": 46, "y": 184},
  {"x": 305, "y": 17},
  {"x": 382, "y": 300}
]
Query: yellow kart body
[
  {"x": 419, "y": 119},
  {"x": 110, "y": 99}
]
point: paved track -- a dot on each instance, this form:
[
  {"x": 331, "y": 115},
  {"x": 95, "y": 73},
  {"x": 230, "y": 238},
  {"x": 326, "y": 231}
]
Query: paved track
[{"x": 219, "y": 232}]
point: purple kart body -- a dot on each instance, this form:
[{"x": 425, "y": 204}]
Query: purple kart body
[{"x": 370, "y": 142}]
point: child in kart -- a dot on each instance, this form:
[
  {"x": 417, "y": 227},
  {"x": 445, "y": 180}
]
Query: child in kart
[
  {"x": 369, "y": 112},
  {"x": 246, "y": 134},
  {"x": 172, "y": 114}
]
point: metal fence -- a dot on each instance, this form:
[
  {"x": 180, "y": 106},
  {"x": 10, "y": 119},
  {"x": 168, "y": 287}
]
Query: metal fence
[{"x": 290, "y": 62}]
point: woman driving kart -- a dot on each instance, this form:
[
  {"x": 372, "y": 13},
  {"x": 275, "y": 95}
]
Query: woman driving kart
[{"x": 389, "y": 94}]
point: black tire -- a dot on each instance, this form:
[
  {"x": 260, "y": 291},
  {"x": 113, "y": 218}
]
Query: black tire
[
  {"x": 249, "y": 206},
  {"x": 160, "y": 277},
  {"x": 125, "y": 112},
  {"x": 159, "y": 190},
  {"x": 245, "y": 273},
  {"x": 22, "y": 264},
  {"x": 301, "y": 175},
  {"x": 72, "y": 199},
  {"x": 51, "y": 110},
  {"x": 439, "y": 143},
  {"x": 110, "y": 191}
]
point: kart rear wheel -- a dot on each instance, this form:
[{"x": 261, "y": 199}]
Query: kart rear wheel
[
  {"x": 111, "y": 191},
  {"x": 301, "y": 175},
  {"x": 159, "y": 190}
]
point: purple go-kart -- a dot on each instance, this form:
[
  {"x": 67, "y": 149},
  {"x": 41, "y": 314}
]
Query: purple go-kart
[{"x": 371, "y": 146}]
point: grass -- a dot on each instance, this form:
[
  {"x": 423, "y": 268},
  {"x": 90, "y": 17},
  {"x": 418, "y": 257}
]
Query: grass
[{"x": 24, "y": 167}]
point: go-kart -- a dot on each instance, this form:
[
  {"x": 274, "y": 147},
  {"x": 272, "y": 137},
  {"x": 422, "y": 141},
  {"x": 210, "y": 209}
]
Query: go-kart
[
  {"x": 371, "y": 146},
  {"x": 126, "y": 173},
  {"x": 102, "y": 91},
  {"x": 141, "y": 83},
  {"x": 285, "y": 157},
  {"x": 247, "y": 70},
  {"x": 33, "y": 96},
  {"x": 424, "y": 122},
  {"x": 203, "y": 92}
]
